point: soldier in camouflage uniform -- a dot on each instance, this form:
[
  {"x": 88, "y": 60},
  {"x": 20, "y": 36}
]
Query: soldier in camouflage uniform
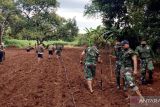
[
  {"x": 40, "y": 52},
  {"x": 129, "y": 68},
  {"x": 145, "y": 54},
  {"x": 90, "y": 56},
  {"x": 50, "y": 50},
  {"x": 58, "y": 50},
  {"x": 118, "y": 56}
]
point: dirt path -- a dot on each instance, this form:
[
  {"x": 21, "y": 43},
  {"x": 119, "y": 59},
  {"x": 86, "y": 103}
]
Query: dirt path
[{"x": 24, "y": 83}]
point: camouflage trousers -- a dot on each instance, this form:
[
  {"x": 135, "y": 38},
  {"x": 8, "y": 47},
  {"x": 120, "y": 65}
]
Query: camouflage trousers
[
  {"x": 117, "y": 72},
  {"x": 127, "y": 75},
  {"x": 146, "y": 64},
  {"x": 58, "y": 52},
  {"x": 89, "y": 71}
]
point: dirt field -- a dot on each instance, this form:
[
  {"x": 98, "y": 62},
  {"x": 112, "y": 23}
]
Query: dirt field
[{"x": 24, "y": 83}]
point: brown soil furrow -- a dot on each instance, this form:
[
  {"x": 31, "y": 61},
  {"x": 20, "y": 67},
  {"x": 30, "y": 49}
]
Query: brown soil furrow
[{"x": 25, "y": 83}]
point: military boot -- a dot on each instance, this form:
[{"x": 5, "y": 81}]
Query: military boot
[
  {"x": 150, "y": 81},
  {"x": 118, "y": 82},
  {"x": 143, "y": 79},
  {"x": 124, "y": 85}
]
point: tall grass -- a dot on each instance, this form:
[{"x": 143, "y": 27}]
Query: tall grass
[
  {"x": 25, "y": 43},
  {"x": 18, "y": 43},
  {"x": 78, "y": 41}
]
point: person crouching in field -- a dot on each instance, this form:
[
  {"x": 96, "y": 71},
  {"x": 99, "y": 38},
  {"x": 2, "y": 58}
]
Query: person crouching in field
[
  {"x": 50, "y": 50},
  {"x": 90, "y": 56},
  {"x": 129, "y": 68},
  {"x": 58, "y": 50},
  {"x": 39, "y": 51},
  {"x": 29, "y": 48}
]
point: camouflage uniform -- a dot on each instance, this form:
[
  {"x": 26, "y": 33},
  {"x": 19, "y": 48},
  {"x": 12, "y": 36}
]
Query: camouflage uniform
[
  {"x": 1, "y": 53},
  {"x": 40, "y": 50},
  {"x": 91, "y": 57},
  {"x": 58, "y": 49},
  {"x": 145, "y": 54},
  {"x": 50, "y": 49},
  {"x": 118, "y": 53},
  {"x": 127, "y": 69}
]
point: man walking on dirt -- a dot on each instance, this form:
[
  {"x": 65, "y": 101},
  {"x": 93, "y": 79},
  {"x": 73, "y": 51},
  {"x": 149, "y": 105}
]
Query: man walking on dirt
[
  {"x": 40, "y": 51},
  {"x": 90, "y": 56},
  {"x": 117, "y": 54},
  {"x": 129, "y": 68},
  {"x": 50, "y": 50},
  {"x": 58, "y": 50},
  {"x": 145, "y": 54}
]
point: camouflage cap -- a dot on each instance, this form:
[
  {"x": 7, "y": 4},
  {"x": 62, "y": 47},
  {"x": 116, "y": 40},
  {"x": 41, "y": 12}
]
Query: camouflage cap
[{"x": 124, "y": 42}]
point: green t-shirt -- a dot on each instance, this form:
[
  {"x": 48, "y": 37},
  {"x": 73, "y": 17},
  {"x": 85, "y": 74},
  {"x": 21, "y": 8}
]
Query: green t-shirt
[
  {"x": 127, "y": 58},
  {"x": 118, "y": 52},
  {"x": 91, "y": 55},
  {"x": 144, "y": 52}
]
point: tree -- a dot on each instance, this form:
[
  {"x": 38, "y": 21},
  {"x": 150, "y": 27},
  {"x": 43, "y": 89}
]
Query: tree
[
  {"x": 133, "y": 18},
  {"x": 68, "y": 30},
  {"x": 40, "y": 16},
  {"x": 95, "y": 36},
  {"x": 109, "y": 11},
  {"x": 7, "y": 9},
  {"x": 35, "y": 19}
]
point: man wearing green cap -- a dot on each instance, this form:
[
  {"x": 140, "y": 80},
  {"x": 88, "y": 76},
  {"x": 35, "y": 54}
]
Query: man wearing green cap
[
  {"x": 145, "y": 54},
  {"x": 129, "y": 68}
]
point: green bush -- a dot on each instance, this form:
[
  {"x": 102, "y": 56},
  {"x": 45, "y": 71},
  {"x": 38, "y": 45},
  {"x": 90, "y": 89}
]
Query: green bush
[
  {"x": 18, "y": 43},
  {"x": 25, "y": 43},
  {"x": 81, "y": 40}
]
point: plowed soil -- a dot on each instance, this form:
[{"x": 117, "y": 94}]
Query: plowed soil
[{"x": 56, "y": 83}]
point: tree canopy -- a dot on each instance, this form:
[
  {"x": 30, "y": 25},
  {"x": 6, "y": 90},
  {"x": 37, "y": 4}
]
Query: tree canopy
[
  {"x": 138, "y": 19},
  {"x": 35, "y": 19}
]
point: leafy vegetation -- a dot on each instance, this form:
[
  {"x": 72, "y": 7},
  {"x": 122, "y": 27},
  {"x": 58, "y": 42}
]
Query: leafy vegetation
[
  {"x": 128, "y": 19},
  {"x": 24, "y": 43},
  {"x": 123, "y": 19},
  {"x": 35, "y": 20}
]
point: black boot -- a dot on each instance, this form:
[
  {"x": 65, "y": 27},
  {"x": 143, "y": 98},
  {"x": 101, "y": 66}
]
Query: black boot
[
  {"x": 118, "y": 82},
  {"x": 150, "y": 81},
  {"x": 124, "y": 85},
  {"x": 143, "y": 79}
]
